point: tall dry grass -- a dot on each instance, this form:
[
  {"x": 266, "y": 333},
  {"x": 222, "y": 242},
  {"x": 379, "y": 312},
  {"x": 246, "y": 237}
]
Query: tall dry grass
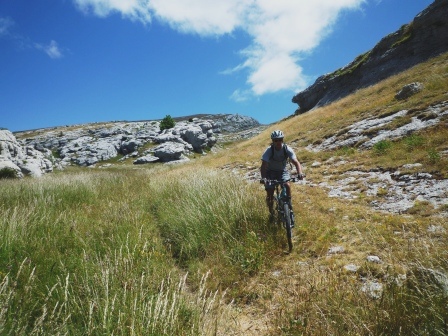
[{"x": 109, "y": 252}]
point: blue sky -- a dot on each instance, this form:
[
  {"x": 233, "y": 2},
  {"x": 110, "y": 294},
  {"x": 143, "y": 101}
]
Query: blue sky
[{"x": 66, "y": 62}]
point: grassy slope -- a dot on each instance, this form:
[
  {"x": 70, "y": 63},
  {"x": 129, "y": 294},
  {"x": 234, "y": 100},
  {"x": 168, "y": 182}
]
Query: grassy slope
[
  {"x": 374, "y": 101},
  {"x": 319, "y": 298},
  {"x": 125, "y": 250}
]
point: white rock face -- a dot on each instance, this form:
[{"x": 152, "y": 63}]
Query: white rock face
[
  {"x": 89, "y": 145},
  {"x": 10, "y": 165},
  {"x": 10, "y": 149},
  {"x": 24, "y": 160}
]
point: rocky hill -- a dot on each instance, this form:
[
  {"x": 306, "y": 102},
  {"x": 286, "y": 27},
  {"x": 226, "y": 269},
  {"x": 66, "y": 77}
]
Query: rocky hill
[
  {"x": 38, "y": 152},
  {"x": 413, "y": 43}
]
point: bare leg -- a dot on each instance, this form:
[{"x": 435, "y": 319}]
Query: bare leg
[
  {"x": 288, "y": 189},
  {"x": 288, "y": 193},
  {"x": 270, "y": 200}
]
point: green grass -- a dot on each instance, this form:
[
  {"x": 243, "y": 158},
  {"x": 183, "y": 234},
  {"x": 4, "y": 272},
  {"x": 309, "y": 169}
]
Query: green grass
[
  {"x": 382, "y": 147},
  {"x": 100, "y": 253},
  {"x": 80, "y": 255}
]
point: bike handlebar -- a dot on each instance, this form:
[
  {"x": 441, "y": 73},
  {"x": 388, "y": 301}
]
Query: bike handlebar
[{"x": 293, "y": 179}]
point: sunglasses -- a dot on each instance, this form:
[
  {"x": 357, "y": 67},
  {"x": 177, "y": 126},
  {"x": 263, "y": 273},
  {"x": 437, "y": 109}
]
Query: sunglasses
[{"x": 278, "y": 140}]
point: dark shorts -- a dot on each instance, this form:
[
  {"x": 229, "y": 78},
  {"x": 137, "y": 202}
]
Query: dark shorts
[{"x": 276, "y": 175}]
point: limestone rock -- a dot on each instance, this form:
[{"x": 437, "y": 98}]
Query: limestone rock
[
  {"x": 10, "y": 165},
  {"x": 90, "y": 144},
  {"x": 24, "y": 159},
  {"x": 146, "y": 159},
  {"x": 169, "y": 151},
  {"x": 409, "y": 90}
]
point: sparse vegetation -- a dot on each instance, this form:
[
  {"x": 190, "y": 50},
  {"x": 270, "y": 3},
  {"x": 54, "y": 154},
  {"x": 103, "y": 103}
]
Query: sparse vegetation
[
  {"x": 413, "y": 141},
  {"x": 406, "y": 32},
  {"x": 382, "y": 147},
  {"x": 359, "y": 60},
  {"x": 433, "y": 156}
]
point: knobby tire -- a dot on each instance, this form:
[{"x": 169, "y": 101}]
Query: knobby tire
[{"x": 287, "y": 222}]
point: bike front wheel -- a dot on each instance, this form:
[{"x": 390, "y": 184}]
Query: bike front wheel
[{"x": 288, "y": 224}]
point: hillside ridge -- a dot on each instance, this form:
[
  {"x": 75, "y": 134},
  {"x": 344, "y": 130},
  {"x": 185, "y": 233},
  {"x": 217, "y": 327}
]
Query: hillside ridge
[{"x": 421, "y": 39}]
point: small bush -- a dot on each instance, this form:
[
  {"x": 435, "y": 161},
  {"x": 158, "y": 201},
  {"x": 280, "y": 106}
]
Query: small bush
[
  {"x": 434, "y": 156},
  {"x": 167, "y": 123},
  {"x": 413, "y": 141},
  {"x": 56, "y": 154},
  {"x": 346, "y": 151},
  {"x": 382, "y": 147},
  {"x": 8, "y": 173}
]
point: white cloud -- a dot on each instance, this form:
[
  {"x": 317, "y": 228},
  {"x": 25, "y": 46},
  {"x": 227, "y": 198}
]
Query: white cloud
[
  {"x": 274, "y": 72},
  {"x": 133, "y": 9},
  {"x": 201, "y": 16},
  {"x": 282, "y": 31},
  {"x": 5, "y": 25},
  {"x": 52, "y": 49},
  {"x": 241, "y": 95}
]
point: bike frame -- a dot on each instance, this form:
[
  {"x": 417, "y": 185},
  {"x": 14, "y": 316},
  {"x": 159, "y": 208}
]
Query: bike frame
[
  {"x": 280, "y": 196},
  {"x": 285, "y": 214}
]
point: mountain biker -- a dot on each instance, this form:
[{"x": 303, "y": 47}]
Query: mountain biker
[{"x": 273, "y": 167}]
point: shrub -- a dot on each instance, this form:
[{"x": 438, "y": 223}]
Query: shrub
[
  {"x": 346, "y": 150},
  {"x": 56, "y": 154},
  {"x": 413, "y": 141},
  {"x": 167, "y": 123},
  {"x": 381, "y": 147},
  {"x": 433, "y": 156},
  {"x": 7, "y": 173}
]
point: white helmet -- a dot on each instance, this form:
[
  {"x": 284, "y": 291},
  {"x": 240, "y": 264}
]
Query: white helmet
[{"x": 277, "y": 135}]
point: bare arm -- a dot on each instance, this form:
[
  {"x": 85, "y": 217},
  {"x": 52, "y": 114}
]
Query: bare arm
[
  {"x": 298, "y": 166},
  {"x": 263, "y": 168}
]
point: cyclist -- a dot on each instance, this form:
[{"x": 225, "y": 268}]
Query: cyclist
[{"x": 273, "y": 167}]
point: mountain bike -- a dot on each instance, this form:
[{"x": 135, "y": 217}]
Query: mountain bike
[{"x": 285, "y": 214}]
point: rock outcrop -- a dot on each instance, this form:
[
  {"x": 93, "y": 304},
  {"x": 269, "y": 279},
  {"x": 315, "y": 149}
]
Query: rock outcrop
[
  {"x": 413, "y": 43},
  {"x": 399, "y": 190},
  {"x": 25, "y": 160},
  {"x": 368, "y": 132},
  {"x": 233, "y": 123},
  {"x": 87, "y": 145}
]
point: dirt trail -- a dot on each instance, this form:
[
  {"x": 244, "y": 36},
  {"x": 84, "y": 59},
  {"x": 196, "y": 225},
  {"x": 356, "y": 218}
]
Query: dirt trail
[{"x": 271, "y": 292}]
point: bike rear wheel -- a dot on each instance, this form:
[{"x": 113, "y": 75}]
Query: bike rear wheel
[{"x": 288, "y": 224}]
